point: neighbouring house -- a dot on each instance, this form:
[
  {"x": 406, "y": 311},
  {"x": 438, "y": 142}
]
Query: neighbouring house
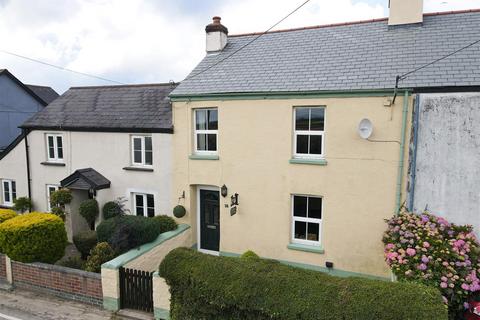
[
  {"x": 100, "y": 142},
  {"x": 445, "y": 155},
  {"x": 18, "y": 102},
  {"x": 267, "y": 151}
]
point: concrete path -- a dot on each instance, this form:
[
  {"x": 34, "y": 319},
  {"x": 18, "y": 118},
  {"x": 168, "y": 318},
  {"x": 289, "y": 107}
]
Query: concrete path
[{"x": 28, "y": 305}]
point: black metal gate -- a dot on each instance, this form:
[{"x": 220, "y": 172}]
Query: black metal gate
[{"x": 136, "y": 289}]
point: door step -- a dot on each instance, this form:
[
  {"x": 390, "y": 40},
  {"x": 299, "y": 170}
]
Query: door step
[{"x": 128, "y": 314}]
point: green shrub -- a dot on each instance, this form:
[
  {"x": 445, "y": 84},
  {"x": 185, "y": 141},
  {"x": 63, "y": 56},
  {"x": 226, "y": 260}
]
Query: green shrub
[
  {"x": 59, "y": 212},
  {"x": 166, "y": 223},
  {"x": 33, "y": 237},
  {"x": 249, "y": 255},
  {"x": 89, "y": 211},
  {"x": 6, "y": 214},
  {"x": 127, "y": 232},
  {"x": 73, "y": 262},
  {"x": 22, "y": 204},
  {"x": 111, "y": 209},
  {"x": 60, "y": 198},
  {"x": 102, "y": 253},
  {"x": 85, "y": 241},
  {"x": 209, "y": 287}
]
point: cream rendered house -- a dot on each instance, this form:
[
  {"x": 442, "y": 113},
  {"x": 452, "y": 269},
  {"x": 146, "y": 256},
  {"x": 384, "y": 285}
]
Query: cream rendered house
[
  {"x": 102, "y": 142},
  {"x": 267, "y": 150}
]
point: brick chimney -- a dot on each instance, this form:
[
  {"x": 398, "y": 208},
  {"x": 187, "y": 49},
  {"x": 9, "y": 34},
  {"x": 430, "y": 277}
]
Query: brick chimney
[
  {"x": 216, "y": 35},
  {"x": 405, "y": 12}
]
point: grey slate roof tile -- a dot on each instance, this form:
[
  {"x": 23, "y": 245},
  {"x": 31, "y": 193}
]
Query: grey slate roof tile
[
  {"x": 108, "y": 108},
  {"x": 346, "y": 57},
  {"x": 47, "y": 94}
]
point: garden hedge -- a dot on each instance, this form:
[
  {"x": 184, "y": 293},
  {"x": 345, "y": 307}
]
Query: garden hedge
[
  {"x": 111, "y": 209},
  {"x": 6, "y": 214},
  {"x": 85, "y": 241},
  {"x": 166, "y": 223},
  {"x": 209, "y": 287},
  {"x": 126, "y": 232},
  {"x": 33, "y": 237}
]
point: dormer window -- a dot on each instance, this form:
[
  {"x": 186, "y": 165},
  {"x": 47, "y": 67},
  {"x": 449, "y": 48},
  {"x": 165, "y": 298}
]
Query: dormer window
[{"x": 142, "y": 151}]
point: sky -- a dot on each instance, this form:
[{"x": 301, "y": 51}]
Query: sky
[{"x": 150, "y": 41}]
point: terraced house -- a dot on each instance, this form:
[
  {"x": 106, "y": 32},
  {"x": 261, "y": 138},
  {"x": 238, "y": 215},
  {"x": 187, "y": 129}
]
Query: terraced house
[
  {"x": 105, "y": 142},
  {"x": 267, "y": 149}
]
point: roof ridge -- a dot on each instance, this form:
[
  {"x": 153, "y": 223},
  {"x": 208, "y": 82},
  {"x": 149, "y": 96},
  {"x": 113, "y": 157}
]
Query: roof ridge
[
  {"x": 339, "y": 24},
  {"x": 128, "y": 85}
]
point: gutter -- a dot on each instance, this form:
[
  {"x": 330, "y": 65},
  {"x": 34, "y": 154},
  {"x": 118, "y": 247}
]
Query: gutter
[
  {"x": 401, "y": 161},
  {"x": 27, "y": 156}
]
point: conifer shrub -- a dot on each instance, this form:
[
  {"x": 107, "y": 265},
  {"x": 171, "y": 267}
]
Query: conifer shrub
[{"x": 33, "y": 237}]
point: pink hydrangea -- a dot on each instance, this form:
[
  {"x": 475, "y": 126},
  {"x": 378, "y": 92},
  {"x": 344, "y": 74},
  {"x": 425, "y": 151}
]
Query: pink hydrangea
[{"x": 411, "y": 252}]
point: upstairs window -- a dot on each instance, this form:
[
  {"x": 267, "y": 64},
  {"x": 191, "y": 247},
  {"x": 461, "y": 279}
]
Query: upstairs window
[
  {"x": 306, "y": 220},
  {"x": 144, "y": 204},
  {"x": 309, "y": 132},
  {"x": 9, "y": 191},
  {"x": 206, "y": 131},
  {"x": 142, "y": 152},
  {"x": 54, "y": 147}
]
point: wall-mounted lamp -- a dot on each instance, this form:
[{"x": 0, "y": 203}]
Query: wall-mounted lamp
[
  {"x": 234, "y": 200},
  {"x": 224, "y": 191}
]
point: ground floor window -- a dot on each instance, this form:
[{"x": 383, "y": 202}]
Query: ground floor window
[
  {"x": 144, "y": 204},
  {"x": 9, "y": 192},
  {"x": 50, "y": 189},
  {"x": 306, "y": 219}
]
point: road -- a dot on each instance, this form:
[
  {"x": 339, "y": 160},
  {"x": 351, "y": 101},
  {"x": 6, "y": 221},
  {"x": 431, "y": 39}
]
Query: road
[{"x": 29, "y": 305}]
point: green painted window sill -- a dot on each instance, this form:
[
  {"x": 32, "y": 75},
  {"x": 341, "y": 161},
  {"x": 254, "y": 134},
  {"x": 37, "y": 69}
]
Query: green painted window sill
[
  {"x": 318, "y": 162},
  {"x": 306, "y": 248},
  {"x": 203, "y": 157}
]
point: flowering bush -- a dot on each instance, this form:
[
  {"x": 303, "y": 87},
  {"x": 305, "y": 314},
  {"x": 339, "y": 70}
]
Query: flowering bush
[{"x": 428, "y": 249}]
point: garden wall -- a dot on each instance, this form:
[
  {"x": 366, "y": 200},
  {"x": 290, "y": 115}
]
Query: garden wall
[
  {"x": 60, "y": 281},
  {"x": 3, "y": 267}
]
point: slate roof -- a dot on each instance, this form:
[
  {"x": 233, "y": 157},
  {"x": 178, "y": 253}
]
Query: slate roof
[
  {"x": 129, "y": 108},
  {"x": 85, "y": 179},
  {"x": 46, "y": 93},
  {"x": 42, "y": 94},
  {"x": 354, "y": 56}
]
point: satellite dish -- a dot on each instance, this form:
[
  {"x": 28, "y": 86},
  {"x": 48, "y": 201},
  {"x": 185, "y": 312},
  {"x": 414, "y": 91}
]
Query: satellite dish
[{"x": 365, "y": 128}]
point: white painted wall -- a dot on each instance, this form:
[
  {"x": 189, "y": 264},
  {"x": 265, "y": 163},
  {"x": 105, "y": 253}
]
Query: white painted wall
[
  {"x": 14, "y": 167},
  {"x": 108, "y": 153},
  {"x": 447, "y": 171}
]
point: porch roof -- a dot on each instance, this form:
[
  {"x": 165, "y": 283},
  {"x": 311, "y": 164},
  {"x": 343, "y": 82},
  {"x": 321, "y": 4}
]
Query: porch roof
[{"x": 85, "y": 179}]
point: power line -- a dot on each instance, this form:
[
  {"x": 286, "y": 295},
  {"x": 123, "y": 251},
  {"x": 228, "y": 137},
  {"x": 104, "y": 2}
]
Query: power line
[
  {"x": 407, "y": 74},
  {"x": 61, "y": 68},
  {"x": 248, "y": 43}
]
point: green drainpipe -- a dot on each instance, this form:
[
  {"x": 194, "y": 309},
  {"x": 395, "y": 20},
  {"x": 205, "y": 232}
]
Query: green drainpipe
[{"x": 402, "y": 152}]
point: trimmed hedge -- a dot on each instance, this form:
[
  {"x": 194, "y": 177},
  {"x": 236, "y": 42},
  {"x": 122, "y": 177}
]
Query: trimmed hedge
[
  {"x": 34, "y": 237},
  {"x": 6, "y": 214},
  {"x": 89, "y": 211},
  {"x": 208, "y": 287},
  {"x": 111, "y": 209},
  {"x": 127, "y": 232},
  {"x": 85, "y": 241},
  {"x": 166, "y": 223}
]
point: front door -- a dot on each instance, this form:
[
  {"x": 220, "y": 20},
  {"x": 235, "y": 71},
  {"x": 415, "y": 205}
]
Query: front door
[{"x": 209, "y": 220}]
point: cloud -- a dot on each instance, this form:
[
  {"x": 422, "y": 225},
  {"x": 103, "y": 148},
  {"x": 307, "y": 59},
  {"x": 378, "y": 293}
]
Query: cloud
[{"x": 143, "y": 41}]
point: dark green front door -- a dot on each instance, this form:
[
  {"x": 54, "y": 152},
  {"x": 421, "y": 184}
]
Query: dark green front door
[{"x": 209, "y": 220}]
